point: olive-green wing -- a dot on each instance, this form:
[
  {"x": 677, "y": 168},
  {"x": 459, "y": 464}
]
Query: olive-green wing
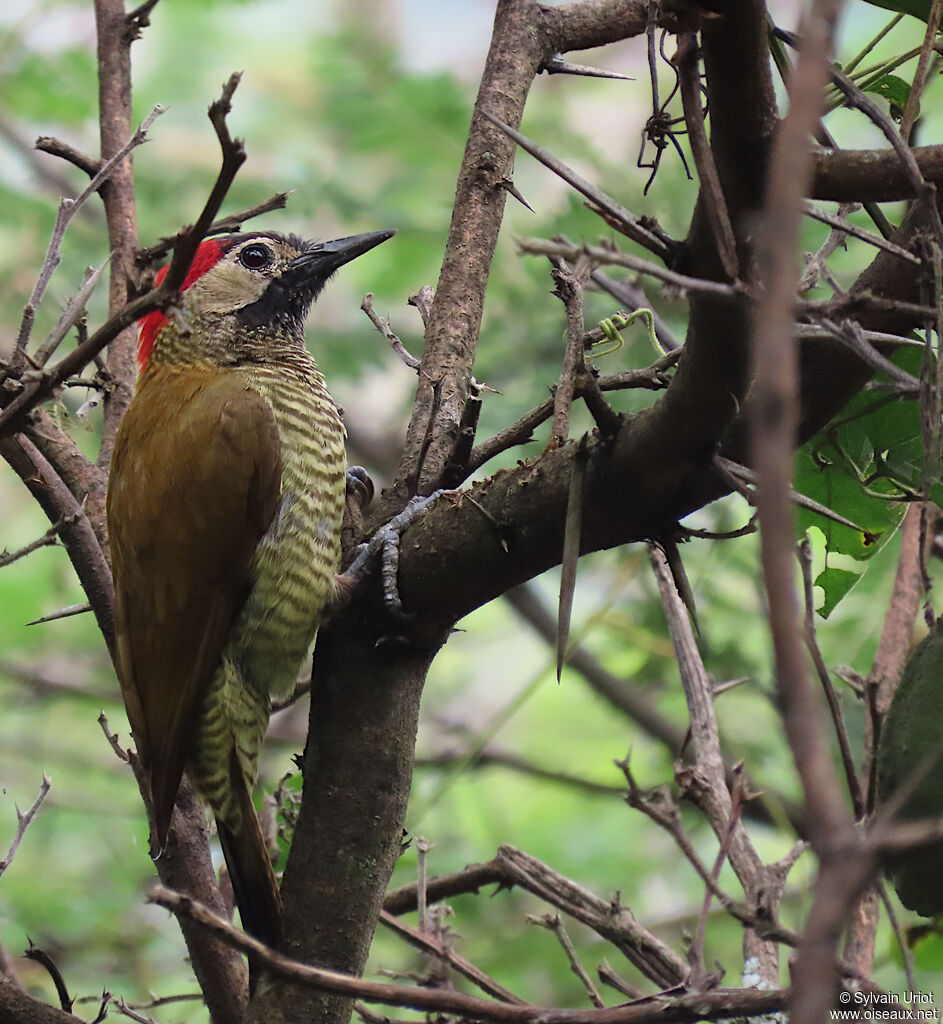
[{"x": 195, "y": 483}]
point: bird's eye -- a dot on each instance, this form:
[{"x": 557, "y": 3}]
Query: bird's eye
[{"x": 256, "y": 256}]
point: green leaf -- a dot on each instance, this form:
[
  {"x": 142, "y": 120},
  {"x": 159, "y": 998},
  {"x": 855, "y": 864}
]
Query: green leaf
[
  {"x": 918, "y": 8},
  {"x": 893, "y": 88},
  {"x": 927, "y": 947},
  {"x": 836, "y": 583},
  {"x": 862, "y": 466}
]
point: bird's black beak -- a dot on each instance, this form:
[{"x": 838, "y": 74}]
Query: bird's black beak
[{"x": 321, "y": 259}]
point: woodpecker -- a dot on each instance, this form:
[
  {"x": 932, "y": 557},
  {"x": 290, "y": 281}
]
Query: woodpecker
[{"x": 224, "y": 516}]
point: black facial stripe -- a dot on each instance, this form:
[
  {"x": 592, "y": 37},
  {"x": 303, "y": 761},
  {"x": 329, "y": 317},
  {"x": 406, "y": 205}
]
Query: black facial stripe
[{"x": 277, "y": 303}]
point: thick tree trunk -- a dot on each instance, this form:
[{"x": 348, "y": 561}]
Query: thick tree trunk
[{"x": 357, "y": 773}]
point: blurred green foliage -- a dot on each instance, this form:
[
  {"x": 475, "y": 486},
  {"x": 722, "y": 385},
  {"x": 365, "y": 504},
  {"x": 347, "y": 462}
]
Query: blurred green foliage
[{"x": 337, "y": 106}]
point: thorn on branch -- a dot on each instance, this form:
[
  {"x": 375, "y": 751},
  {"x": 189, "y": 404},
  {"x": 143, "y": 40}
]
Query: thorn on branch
[
  {"x": 557, "y": 65},
  {"x": 508, "y": 185},
  {"x": 572, "y": 536},
  {"x": 62, "y": 613},
  {"x": 629, "y": 224}
]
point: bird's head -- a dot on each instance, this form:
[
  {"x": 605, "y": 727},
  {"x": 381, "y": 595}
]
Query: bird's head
[{"x": 244, "y": 293}]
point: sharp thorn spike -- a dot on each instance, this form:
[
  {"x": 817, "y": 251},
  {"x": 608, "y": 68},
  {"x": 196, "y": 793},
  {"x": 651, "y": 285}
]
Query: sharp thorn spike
[
  {"x": 558, "y": 66},
  {"x": 63, "y": 613}
]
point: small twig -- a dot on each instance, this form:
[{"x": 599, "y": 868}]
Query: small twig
[
  {"x": 810, "y": 332},
  {"x": 631, "y": 225},
  {"x": 860, "y": 100},
  {"x": 56, "y": 147},
  {"x": 568, "y": 287},
  {"x": 654, "y": 958},
  {"x": 661, "y": 809},
  {"x": 157, "y": 1001},
  {"x": 606, "y": 255},
  {"x": 695, "y": 1006},
  {"x": 845, "y": 227},
  {"x": 23, "y": 821},
  {"x": 112, "y": 738},
  {"x": 423, "y": 846},
  {"x": 653, "y": 378},
  {"x": 696, "y": 951},
  {"x": 494, "y": 757},
  {"x": 831, "y": 697},
  {"x": 429, "y": 944},
  {"x": 73, "y": 312},
  {"x": 223, "y": 226},
  {"x": 554, "y": 923},
  {"x": 712, "y": 195},
  {"x": 440, "y": 887},
  {"x": 920, "y": 75},
  {"x": 853, "y": 304},
  {"x": 382, "y": 324},
  {"x": 609, "y": 977},
  {"x": 817, "y": 262},
  {"x": 67, "y": 210},
  {"x": 126, "y": 1011},
  {"x": 574, "y": 377},
  {"x": 44, "y": 959},
  {"x": 234, "y": 155},
  {"x": 906, "y": 953},
  {"x": 139, "y": 17},
  {"x": 456, "y": 469},
  {"x": 705, "y": 779},
  {"x": 63, "y": 613},
  {"x": 849, "y": 333},
  {"x": 744, "y": 531},
  {"x": 738, "y": 476},
  {"x": 422, "y": 300},
  {"x": 103, "y": 1000},
  {"x": 49, "y": 539}
]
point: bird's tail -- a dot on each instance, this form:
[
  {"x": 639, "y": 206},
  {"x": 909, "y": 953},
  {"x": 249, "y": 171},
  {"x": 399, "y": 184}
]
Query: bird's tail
[{"x": 250, "y": 869}]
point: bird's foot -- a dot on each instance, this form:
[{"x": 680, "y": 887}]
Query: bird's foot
[
  {"x": 360, "y": 488},
  {"x": 384, "y": 545}
]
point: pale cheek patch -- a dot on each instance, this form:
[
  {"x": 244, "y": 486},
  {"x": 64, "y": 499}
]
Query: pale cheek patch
[{"x": 228, "y": 288}]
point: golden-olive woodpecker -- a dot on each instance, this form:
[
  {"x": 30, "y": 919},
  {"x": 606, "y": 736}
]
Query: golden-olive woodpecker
[{"x": 224, "y": 517}]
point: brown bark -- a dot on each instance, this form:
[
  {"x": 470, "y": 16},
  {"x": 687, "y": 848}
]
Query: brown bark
[
  {"x": 357, "y": 769},
  {"x": 114, "y": 98}
]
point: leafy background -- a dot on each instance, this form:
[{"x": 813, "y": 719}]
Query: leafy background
[{"x": 362, "y": 109}]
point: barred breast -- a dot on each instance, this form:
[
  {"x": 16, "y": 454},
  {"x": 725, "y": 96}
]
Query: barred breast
[{"x": 293, "y": 577}]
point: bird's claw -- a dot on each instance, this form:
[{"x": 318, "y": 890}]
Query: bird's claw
[
  {"x": 360, "y": 487},
  {"x": 384, "y": 544}
]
